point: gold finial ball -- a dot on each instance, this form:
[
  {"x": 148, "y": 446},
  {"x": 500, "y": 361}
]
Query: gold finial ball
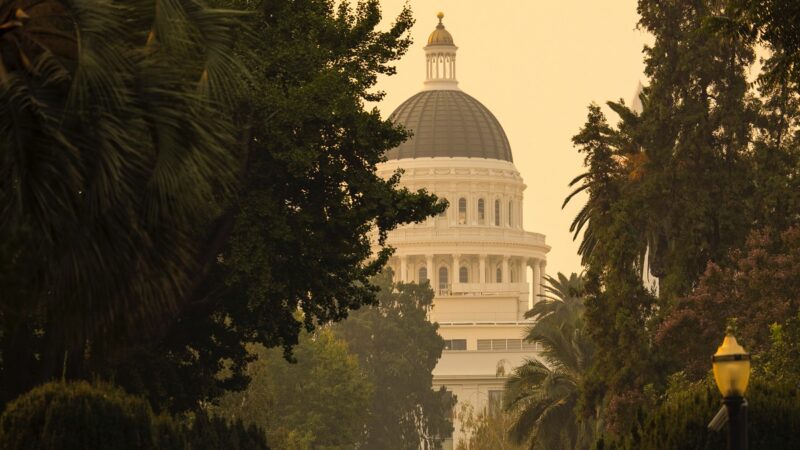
[{"x": 440, "y": 15}]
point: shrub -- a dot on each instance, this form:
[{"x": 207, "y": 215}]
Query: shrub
[
  {"x": 84, "y": 416},
  {"x": 680, "y": 421},
  {"x": 214, "y": 432},
  {"x": 76, "y": 416}
]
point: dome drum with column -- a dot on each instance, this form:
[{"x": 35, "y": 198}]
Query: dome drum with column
[{"x": 493, "y": 246}]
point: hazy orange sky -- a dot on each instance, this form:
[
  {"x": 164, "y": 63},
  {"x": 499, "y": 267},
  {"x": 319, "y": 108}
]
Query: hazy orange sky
[{"x": 536, "y": 65}]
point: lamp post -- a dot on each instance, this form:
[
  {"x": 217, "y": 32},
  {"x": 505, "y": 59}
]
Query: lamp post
[{"x": 731, "y": 366}]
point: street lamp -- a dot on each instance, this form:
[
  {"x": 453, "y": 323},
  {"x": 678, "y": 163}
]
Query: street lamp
[{"x": 731, "y": 366}]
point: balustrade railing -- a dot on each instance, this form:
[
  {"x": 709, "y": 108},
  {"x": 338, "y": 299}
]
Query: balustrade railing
[{"x": 483, "y": 289}]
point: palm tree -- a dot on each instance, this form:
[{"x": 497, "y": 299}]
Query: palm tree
[
  {"x": 114, "y": 150},
  {"x": 614, "y": 158},
  {"x": 542, "y": 394}
]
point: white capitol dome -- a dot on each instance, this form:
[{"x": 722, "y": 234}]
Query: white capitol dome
[{"x": 484, "y": 267}]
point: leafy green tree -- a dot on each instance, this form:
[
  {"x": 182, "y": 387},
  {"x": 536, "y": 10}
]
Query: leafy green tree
[
  {"x": 296, "y": 234},
  {"x": 112, "y": 153},
  {"x": 398, "y": 349},
  {"x": 319, "y": 402},
  {"x": 542, "y": 395}
]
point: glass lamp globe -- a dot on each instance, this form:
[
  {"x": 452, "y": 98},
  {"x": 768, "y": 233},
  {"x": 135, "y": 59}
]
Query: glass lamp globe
[{"x": 731, "y": 366}]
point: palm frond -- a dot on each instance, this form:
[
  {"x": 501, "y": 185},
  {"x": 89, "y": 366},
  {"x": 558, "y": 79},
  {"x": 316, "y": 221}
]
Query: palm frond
[
  {"x": 577, "y": 190},
  {"x": 541, "y": 394},
  {"x": 112, "y": 155}
]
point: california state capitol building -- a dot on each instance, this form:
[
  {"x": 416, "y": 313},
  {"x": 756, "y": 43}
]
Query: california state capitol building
[{"x": 484, "y": 267}]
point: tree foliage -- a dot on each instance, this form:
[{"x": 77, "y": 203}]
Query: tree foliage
[
  {"x": 681, "y": 418},
  {"x": 398, "y": 349},
  {"x": 316, "y": 403},
  {"x": 112, "y": 154},
  {"x": 486, "y": 430},
  {"x": 162, "y": 207},
  {"x": 681, "y": 184},
  {"x": 760, "y": 287},
  {"x": 297, "y": 233},
  {"x": 366, "y": 381}
]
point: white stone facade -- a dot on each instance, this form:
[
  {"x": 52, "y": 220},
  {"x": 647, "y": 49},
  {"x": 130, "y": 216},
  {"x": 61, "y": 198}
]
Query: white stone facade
[{"x": 477, "y": 262}]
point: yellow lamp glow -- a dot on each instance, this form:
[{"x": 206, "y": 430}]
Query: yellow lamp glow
[{"x": 731, "y": 366}]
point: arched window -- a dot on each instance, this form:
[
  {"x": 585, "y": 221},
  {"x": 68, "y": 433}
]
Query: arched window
[
  {"x": 498, "y": 275},
  {"x": 444, "y": 213},
  {"x": 462, "y": 211},
  {"x": 463, "y": 275},
  {"x": 423, "y": 275},
  {"x": 481, "y": 211},
  {"x": 497, "y": 213},
  {"x": 443, "y": 282},
  {"x": 512, "y": 275},
  {"x": 509, "y": 213}
]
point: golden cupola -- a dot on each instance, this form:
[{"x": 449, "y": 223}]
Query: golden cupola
[
  {"x": 440, "y": 54},
  {"x": 440, "y": 36}
]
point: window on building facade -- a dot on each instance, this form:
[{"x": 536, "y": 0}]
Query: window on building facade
[
  {"x": 498, "y": 275},
  {"x": 509, "y": 213},
  {"x": 503, "y": 344},
  {"x": 462, "y": 211},
  {"x": 443, "y": 281},
  {"x": 481, "y": 211},
  {"x": 423, "y": 274},
  {"x": 455, "y": 344},
  {"x": 497, "y": 213},
  {"x": 463, "y": 275}
]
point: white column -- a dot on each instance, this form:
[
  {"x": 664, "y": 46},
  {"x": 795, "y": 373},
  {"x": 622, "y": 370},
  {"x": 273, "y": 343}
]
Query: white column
[
  {"x": 404, "y": 268},
  {"x": 506, "y": 278},
  {"x": 537, "y": 271},
  {"x": 523, "y": 271},
  {"x": 456, "y": 269},
  {"x": 431, "y": 272},
  {"x": 482, "y": 268},
  {"x": 542, "y": 272}
]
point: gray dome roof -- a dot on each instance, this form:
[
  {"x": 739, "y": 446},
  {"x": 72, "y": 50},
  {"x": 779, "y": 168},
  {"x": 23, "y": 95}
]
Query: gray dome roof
[{"x": 449, "y": 123}]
